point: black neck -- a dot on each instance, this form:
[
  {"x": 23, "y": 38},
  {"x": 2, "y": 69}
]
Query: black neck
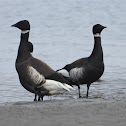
[
  {"x": 97, "y": 52},
  {"x": 24, "y": 37},
  {"x": 23, "y": 51}
]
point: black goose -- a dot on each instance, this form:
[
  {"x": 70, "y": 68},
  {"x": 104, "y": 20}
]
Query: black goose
[
  {"x": 32, "y": 72},
  {"x": 90, "y": 69}
]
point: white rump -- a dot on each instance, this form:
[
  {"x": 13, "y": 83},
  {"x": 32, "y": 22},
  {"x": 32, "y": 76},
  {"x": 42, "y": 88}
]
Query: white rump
[{"x": 64, "y": 72}]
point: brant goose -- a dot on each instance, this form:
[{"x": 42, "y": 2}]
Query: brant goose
[
  {"x": 32, "y": 71},
  {"x": 45, "y": 86},
  {"x": 90, "y": 69}
]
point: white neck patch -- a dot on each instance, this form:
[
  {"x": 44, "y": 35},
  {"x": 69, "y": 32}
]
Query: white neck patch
[
  {"x": 25, "y": 31},
  {"x": 97, "y": 35},
  {"x": 64, "y": 72}
]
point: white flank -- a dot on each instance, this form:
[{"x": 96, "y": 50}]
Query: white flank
[
  {"x": 35, "y": 76},
  {"x": 76, "y": 73},
  {"x": 25, "y": 31},
  {"x": 97, "y": 35},
  {"x": 64, "y": 72},
  {"x": 70, "y": 87},
  {"x": 55, "y": 87}
]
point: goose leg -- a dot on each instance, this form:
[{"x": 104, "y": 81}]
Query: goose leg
[
  {"x": 88, "y": 86},
  {"x": 42, "y": 98},
  {"x": 79, "y": 91},
  {"x": 35, "y": 99},
  {"x": 38, "y": 98}
]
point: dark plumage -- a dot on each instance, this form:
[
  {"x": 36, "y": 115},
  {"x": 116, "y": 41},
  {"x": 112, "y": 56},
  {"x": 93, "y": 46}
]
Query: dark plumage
[
  {"x": 90, "y": 69},
  {"x": 31, "y": 71}
]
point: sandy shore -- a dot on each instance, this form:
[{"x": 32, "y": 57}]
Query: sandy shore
[{"x": 73, "y": 112}]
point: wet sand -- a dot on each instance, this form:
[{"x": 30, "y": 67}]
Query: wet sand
[{"x": 72, "y": 112}]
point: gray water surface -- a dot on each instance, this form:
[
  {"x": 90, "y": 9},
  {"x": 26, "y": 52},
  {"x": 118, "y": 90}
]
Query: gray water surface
[{"x": 61, "y": 32}]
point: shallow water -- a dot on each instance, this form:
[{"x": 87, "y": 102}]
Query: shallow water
[{"x": 61, "y": 31}]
